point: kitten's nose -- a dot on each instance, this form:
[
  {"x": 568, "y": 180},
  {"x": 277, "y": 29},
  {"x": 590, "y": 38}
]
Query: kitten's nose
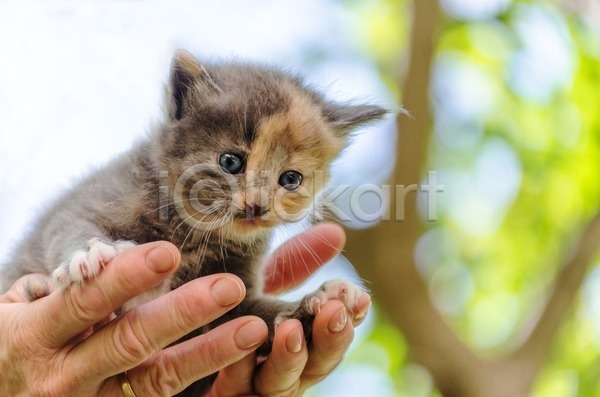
[{"x": 255, "y": 211}]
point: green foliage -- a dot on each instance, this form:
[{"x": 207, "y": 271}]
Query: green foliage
[
  {"x": 522, "y": 172},
  {"x": 384, "y": 19}
]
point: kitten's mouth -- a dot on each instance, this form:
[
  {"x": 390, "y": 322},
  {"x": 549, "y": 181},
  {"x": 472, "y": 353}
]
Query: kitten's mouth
[
  {"x": 257, "y": 222},
  {"x": 253, "y": 218}
]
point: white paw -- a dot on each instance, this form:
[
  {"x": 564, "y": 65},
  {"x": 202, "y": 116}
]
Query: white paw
[
  {"x": 343, "y": 290},
  {"x": 86, "y": 264}
]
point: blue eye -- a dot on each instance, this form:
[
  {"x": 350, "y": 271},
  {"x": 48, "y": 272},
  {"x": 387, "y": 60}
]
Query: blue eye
[
  {"x": 231, "y": 163},
  {"x": 290, "y": 180}
]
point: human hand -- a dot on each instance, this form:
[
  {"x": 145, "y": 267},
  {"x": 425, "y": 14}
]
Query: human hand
[
  {"x": 47, "y": 349},
  {"x": 42, "y": 343},
  {"x": 288, "y": 371}
]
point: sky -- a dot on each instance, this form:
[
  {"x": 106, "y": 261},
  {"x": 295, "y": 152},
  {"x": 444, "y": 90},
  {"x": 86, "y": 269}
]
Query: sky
[{"x": 81, "y": 81}]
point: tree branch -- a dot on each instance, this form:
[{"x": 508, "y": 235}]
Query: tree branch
[
  {"x": 384, "y": 253},
  {"x": 538, "y": 342}
]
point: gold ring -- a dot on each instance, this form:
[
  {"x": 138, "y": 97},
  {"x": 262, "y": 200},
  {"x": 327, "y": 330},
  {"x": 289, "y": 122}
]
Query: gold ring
[{"x": 125, "y": 385}]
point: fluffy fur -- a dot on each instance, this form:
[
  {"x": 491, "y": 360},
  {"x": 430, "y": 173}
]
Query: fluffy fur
[{"x": 173, "y": 186}]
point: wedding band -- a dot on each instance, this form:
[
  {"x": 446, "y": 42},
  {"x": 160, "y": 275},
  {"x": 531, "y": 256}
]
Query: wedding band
[{"x": 125, "y": 385}]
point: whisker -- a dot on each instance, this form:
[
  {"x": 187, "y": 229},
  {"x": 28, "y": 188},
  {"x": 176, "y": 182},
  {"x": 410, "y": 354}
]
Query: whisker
[
  {"x": 193, "y": 228},
  {"x": 206, "y": 237},
  {"x": 326, "y": 242},
  {"x": 288, "y": 260},
  {"x": 166, "y": 205}
]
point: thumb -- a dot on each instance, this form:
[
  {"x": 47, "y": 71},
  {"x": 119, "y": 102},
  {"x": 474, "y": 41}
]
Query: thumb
[{"x": 27, "y": 289}]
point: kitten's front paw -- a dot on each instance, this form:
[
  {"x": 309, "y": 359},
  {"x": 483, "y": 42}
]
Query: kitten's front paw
[
  {"x": 343, "y": 290},
  {"x": 86, "y": 264}
]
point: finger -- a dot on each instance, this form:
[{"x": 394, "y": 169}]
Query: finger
[
  {"x": 236, "y": 379},
  {"x": 26, "y": 289},
  {"x": 332, "y": 334},
  {"x": 179, "y": 366},
  {"x": 79, "y": 306},
  {"x": 361, "y": 309},
  {"x": 280, "y": 373},
  {"x": 141, "y": 332},
  {"x": 298, "y": 258}
]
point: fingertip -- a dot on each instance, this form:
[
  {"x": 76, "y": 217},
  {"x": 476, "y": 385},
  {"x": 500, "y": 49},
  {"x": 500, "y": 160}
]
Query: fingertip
[
  {"x": 334, "y": 232},
  {"x": 286, "y": 362},
  {"x": 295, "y": 341},
  {"x": 290, "y": 335},
  {"x": 331, "y": 325},
  {"x": 337, "y": 322},
  {"x": 227, "y": 290},
  {"x": 298, "y": 258},
  {"x": 362, "y": 308},
  {"x": 328, "y": 347},
  {"x": 163, "y": 257},
  {"x": 251, "y": 334}
]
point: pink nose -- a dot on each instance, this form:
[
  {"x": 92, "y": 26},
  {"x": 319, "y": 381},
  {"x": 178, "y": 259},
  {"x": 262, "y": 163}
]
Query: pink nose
[{"x": 255, "y": 211}]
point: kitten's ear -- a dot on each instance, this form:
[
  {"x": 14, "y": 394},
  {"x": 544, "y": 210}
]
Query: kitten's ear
[
  {"x": 345, "y": 118},
  {"x": 186, "y": 73}
]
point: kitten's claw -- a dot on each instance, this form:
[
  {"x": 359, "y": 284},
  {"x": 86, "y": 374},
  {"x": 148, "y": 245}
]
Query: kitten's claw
[
  {"x": 343, "y": 290},
  {"x": 86, "y": 264}
]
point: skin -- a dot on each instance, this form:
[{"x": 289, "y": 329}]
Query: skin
[{"x": 55, "y": 334}]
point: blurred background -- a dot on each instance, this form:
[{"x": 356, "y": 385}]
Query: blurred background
[{"x": 498, "y": 293}]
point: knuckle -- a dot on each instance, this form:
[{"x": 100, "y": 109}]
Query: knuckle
[
  {"x": 314, "y": 376},
  {"x": 280, "y": 380},
  {"x": 125, "y": 280},
  {"x": 164, "y": 379},
  {"x": 189, "y": 314},
  {"x": 331, "y": 351},
  {"x": 82, "y": 310},
  {"x": 215, "y": 355},
  {"x": 130, "y": 340}
]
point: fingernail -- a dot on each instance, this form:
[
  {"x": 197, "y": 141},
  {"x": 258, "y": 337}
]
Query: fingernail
[
  {"x": 250, "y": 334},
  {"x": 362, "y": 314},
  {"x": 226, "y": 291},
  {"x": 160, "y": 259},
  {"x": 338, "y": 321},
  {"x": 293, "y": 343}
]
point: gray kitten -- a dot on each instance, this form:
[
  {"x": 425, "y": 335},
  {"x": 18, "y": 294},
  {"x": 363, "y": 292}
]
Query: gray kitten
[{"x": 242, "y": 148}]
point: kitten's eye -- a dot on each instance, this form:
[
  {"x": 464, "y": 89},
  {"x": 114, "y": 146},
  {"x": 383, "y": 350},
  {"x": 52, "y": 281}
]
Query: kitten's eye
[
  {"x": 231, "y": 163},
  {"x": 290, "y": 180}
]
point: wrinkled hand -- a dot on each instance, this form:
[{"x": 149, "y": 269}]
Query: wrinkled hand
[
  {"x": 287, "y": 371},
  {"x": 47, "y": 347}
]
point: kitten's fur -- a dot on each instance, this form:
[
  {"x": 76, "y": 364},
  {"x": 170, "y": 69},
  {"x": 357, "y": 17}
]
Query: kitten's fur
[{"x": 271, "y": 120}]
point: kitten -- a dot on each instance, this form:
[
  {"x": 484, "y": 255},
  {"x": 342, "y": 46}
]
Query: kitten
[{"x": 242, "y": 149}]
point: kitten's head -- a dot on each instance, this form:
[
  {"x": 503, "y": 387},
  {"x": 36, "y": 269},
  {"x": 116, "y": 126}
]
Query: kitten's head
[{"x": 248, "y": 147}]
